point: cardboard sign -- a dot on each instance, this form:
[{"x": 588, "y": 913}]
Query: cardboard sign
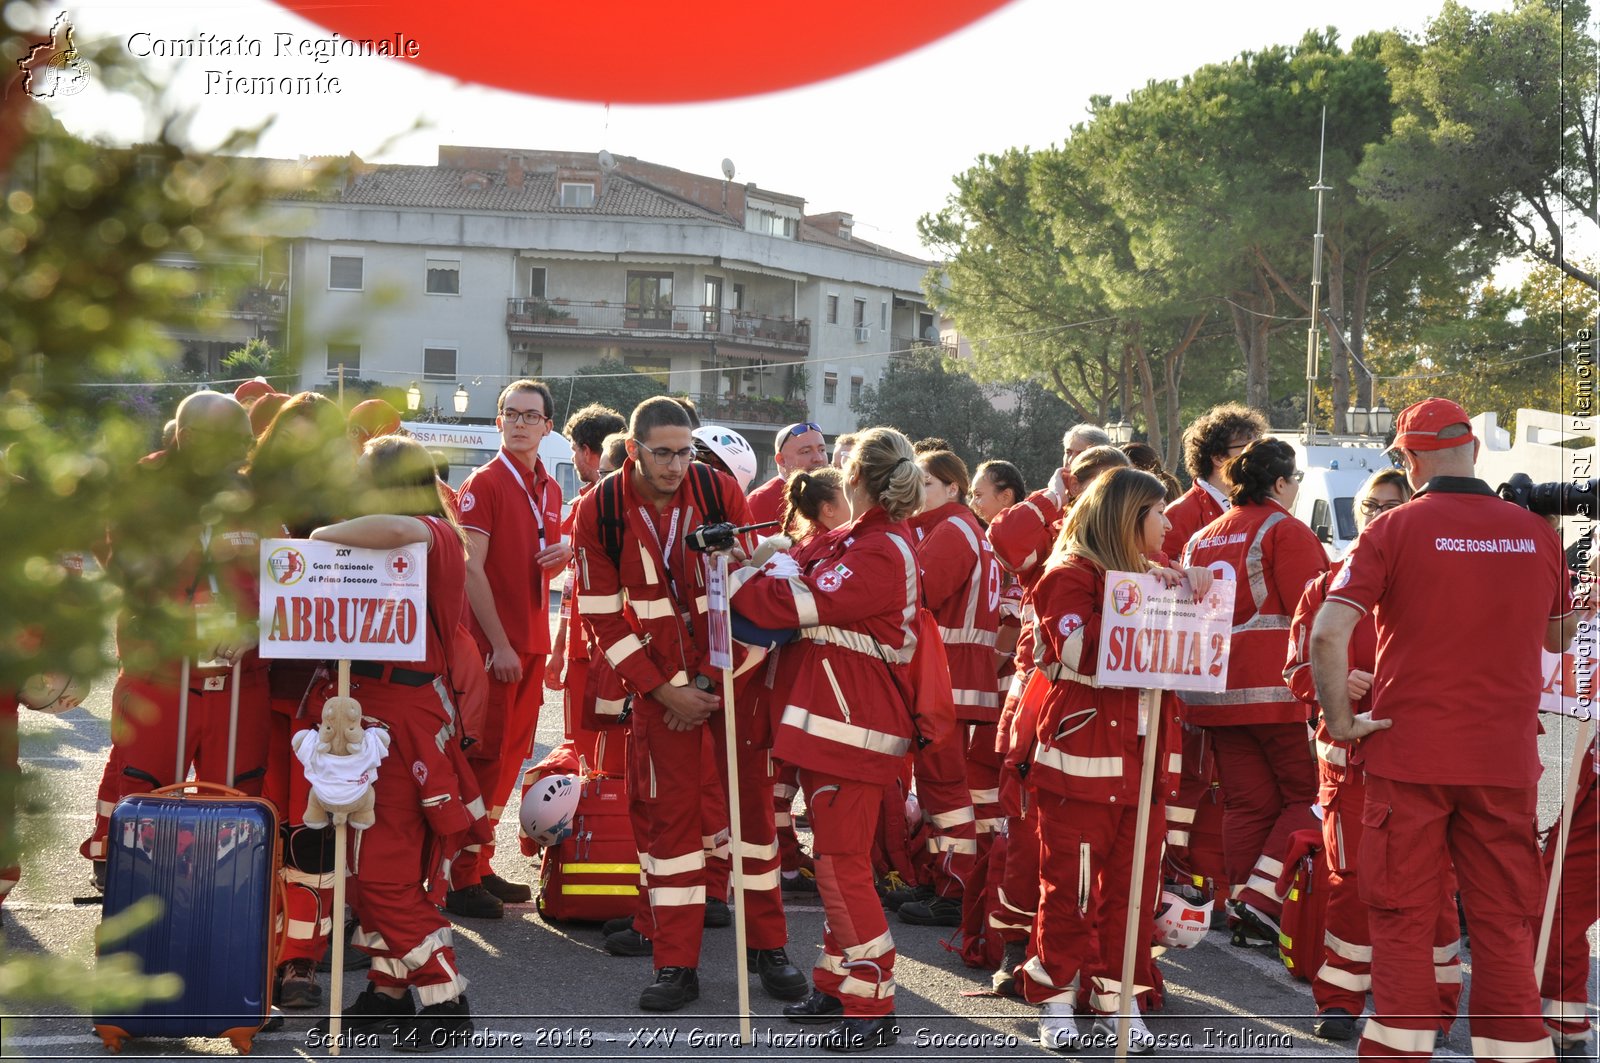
[
  {"x": 721, "y": 655},
  {"x": 1160, "y": 638},
  {"x": 325, "y": 601},
  {"x": 1569, "y": 678}
]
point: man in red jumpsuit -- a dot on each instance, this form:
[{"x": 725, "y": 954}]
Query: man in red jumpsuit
[
  {"x": 1466, "y": 589},
  {"x": 1220, "y": 434},
  {"x": 800, "y": 448},
  {"x": 511, "y": 509},
  {"x": 645, "y": 606}
]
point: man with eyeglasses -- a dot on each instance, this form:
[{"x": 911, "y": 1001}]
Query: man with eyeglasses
[
  {"x": 799, "y": 448},
  {"x": 1466, "y": 590},
  {"x": 1219, "y": 436},
  {"x": 511, "y": 510}
]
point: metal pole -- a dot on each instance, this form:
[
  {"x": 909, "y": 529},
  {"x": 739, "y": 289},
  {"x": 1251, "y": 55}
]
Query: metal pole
[
  {"x": 735, "y": 828},
  {"x": 1313, "y": 337},
  {"x": 1579, "y": 751}
]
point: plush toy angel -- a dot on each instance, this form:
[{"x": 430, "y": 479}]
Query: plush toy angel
[{"x": 341, "y": 760}]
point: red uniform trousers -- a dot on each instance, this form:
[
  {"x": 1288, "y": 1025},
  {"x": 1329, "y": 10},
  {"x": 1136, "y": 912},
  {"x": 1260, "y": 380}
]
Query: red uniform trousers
[
  {"x": 673, "y": 790},
  {"x": 1413, "y": 830},
  {"x": 983, "y": 790},
  {"x": 307, "y": 871},
  {"x": 1194, "y": 818},
  {"x": 144, "y": 739},
  {"x": 941, "y": 774},
  {"x": 1085, "y": 870},
  {"x": 1269, "y": 783},
  {"x": 764, "y": 922},
  {"x": 512, "y": 717},
  {"x": 857, "y": 961},
  {"x": 1346, "y": 972},
  {"x": 785, "y": 785},
  {"x": 1567, "y": 965},
  {"x": 9, "y": 778},
  {"x": 1019, "y": 877}
]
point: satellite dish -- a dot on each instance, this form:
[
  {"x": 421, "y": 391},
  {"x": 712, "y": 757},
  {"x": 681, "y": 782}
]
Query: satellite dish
[
  {"x": 930, "y": 334},
  {"x": 608, "y": 161},
  {"x": 727, "y": 169}
]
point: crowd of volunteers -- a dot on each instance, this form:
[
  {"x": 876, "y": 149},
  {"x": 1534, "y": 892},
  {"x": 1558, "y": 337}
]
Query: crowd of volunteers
[{"x": 915, "y": 658}]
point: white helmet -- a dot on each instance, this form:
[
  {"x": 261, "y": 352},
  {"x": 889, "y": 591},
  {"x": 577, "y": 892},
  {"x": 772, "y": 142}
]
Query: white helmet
[
  {"x": 52, "y": 692},
  {"x": 730, "y": 448},
  {"x": 548, "y": 807},
  {"x": 1180, "y": 924}
]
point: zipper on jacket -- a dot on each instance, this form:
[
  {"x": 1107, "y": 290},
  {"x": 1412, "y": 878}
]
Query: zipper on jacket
[
  {"x": 583, "y": 560},
  {"x": 837, "y": 693},
  {"x": 1085, "y": 876},
  {"x": 652, "y": 761}
]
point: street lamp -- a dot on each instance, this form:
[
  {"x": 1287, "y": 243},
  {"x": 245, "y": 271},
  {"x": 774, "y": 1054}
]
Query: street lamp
[
  {"x": 461, "y": 399},
  {"x": 1382, "y": 420},
  {"x": 1359, "y": 420},
  {"x": 435, "y": 413},
  {"x": 1120, "y": 432},
  {"x": 413, "y": 397}
]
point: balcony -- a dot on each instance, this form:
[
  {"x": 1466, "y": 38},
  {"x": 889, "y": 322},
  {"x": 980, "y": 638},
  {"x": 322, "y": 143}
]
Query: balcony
[
  {"x": 557, "y": 318},
  {"x": 920, "y": 345},
  {"x": 252, "y": 302},
  {"x": 749, "y": 409}
]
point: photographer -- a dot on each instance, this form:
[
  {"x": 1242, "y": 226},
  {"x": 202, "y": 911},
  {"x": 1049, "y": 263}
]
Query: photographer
[{"x": 1466, "y": 590}]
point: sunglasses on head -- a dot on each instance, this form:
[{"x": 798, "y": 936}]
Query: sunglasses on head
[{"x": 797, "y": 430}]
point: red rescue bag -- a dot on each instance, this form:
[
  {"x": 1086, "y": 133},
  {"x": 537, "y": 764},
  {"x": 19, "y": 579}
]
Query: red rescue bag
[
  {"x": 1305, "y": 905},
  {"x": 593, "y": 875}
]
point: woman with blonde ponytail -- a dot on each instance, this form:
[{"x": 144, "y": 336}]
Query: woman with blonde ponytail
[{"x": 846, "y": 720}]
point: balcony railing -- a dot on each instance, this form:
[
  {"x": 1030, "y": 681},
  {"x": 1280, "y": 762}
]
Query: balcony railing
[
  {"x": 749, "y": 409},
  {"x": 252, "y": 301},
  {"x": 688, "y": 322},
  {"x": 907, "y": 344}
]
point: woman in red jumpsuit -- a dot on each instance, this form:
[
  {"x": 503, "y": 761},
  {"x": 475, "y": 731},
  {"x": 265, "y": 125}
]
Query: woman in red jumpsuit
[
  {"x": 426, "y": 802},
  {"x": 1257, "y": 726},
  {"x": 846, "y": 722},
  {"x": 1340, "y": 985},
  {"x": 1086, "y": 764}
]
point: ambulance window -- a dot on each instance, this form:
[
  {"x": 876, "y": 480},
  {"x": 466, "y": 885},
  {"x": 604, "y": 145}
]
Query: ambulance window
[
  {"x": 567, "y": 479},
  {"x": 1319, "y": 519},
  {"x": 1345, "y": 510}
]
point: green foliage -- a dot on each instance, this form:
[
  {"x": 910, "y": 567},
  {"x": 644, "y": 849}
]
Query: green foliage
[
  {"x": 1494, "y": 131},
  {"x": 608, "y": 382},
  {"x": 260, "y": 358}
]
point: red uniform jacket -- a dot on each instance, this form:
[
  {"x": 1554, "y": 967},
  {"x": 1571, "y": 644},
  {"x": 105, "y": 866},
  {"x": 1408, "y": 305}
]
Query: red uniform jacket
[
  {"x": 647, "y": 614},
  {"x": 519, "y": 509},
  {"x": 1022, "y": 537},
  {"x": 1089, "y": 747},
  {"x": 848, "y": 712},
  {"x": 1332, "y": 755},
  {"x": 1189, "y": 512},
  {"x": 1271, "y": 557},
  {"x": 766, "y": 501},
  {"x": 961, "y": 588}
]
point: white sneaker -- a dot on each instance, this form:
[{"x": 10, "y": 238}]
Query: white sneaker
[
  {"x": 1140, "y": 1040},
  {"x": 1058, "y": 1027}
]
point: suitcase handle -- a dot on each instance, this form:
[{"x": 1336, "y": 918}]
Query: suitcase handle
[{"x": 200, "y": 787}]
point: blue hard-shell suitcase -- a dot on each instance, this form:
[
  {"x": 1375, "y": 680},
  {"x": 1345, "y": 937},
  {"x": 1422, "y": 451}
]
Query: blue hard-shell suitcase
[{"x": 210, "y": 855}]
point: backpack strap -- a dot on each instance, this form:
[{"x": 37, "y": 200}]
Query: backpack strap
[
  {"x": 608, "y": 504},
  {"x": 707, "y": 493}
]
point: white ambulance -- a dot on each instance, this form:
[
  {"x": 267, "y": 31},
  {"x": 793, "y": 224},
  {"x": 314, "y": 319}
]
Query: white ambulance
[{"x": 468, "y": 446}]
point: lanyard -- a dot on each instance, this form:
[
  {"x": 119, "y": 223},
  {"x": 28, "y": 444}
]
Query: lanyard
[
  {"x": 666, "y": 552},
  {"x": 538, "y": 518}
]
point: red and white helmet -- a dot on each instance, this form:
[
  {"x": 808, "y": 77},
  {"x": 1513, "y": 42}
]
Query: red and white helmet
[
  {"x": 1180, "y": 924},
  {"x": 548, "y": 808},
  {"x": 731, "y": 449}
]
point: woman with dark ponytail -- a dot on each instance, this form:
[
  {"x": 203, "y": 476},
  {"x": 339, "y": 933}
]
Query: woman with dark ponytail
[
  {"x": 846, "y": 721},
  {"x": 1257, "y": 726}
]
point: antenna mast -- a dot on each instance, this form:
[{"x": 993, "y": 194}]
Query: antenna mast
[{"x": 1313, "y": 336}]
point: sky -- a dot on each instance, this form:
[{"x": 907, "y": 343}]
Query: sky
[{"x": 882, "y": 143}]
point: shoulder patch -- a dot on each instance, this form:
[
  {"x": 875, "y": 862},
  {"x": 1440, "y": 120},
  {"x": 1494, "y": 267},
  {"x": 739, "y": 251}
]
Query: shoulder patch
[
  {"x": 1342, "y": 578},
  {"x": 1068, "y": 624},
  {"x": 466, "y": 502},
  {"x": 829, "y": 580}
]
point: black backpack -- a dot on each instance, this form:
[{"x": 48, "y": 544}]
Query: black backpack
[{"x": 702, "y": 482}]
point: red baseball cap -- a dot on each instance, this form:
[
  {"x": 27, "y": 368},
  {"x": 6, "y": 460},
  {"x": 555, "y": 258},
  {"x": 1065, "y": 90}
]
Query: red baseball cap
[
  {"x": 1419, "y": 425},
  {"x": 264, "y": 409},
  {"x": 374, "y": 418},
  {"x": 251, "y": 390}
]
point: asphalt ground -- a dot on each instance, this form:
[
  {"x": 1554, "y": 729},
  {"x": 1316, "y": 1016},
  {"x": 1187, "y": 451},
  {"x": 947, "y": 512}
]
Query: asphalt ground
[{"x": 550, "y": 991}]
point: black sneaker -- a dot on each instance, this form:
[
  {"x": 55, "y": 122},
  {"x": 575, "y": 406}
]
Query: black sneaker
[
  {"x": 819, "y": 1007},
  {"x": 781, "y": 979},
  {"x": 673, "y": 988},
  {"x": 862, "y": 1035},
  {"x": 901, "y": 895},
  {"x": 718, "y": 914},
  {"x": 97, "y": 875},
  {"x": 370, "y": 1009},
  {"x": 1004, "y": 979},
  {"x": 474, "y": 902},
  {"x": 436, "y": 1028},
  {"x": 613, "y": 926},
  {"x": 508, "y": 892},
  {"x": 629, "y": 942},
  {"x": 354, "y": 958},
  {"x": 940, "y": 911},
  {"x": 297, "y": 985},
  {"x": 1335, "y": 1024},
  {"x": 802, "y": 881}
]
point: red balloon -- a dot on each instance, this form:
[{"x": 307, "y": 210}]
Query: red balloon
[{"x": 648, "y": 52}]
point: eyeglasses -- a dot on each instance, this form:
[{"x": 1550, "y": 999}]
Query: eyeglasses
[
  {"x": 797, "y": 430},
  {"x": 1299, "y": 476},
  {"x": 666, "y": 456},
  {"x": 1232, "y": 447},
  {"x": 1370, "y": 506},
  {"x": 524, "y": 417}
]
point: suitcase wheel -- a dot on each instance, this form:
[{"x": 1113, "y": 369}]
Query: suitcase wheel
[{"x": 113, "y": 1037}]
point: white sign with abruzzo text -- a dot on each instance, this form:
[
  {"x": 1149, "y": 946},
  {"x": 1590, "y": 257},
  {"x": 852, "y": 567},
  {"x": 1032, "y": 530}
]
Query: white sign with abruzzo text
[{"x": 324, "y": 601}]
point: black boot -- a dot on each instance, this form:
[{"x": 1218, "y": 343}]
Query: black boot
[
  {"x": 370, "y": 1009},
  {"x": 474, "y": 902},
  {"x": 508, "y": 892},
  {"x": 436, "y": 1028},
  {"x": 939, "y": 911},
  {"x": 781, "y": 979},
  {"x": 1004, "y": 979},
  {"x": 673, "y": 988},
  {"x": 718, "y": 914},
  {"x": 862, "y": 1035},
  {"x": 629, "y": 942},
  {"x": 819, "y": 1007}
]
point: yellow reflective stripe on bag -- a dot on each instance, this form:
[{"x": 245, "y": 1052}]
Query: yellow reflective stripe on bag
[{"x": 601, "y": 869}]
